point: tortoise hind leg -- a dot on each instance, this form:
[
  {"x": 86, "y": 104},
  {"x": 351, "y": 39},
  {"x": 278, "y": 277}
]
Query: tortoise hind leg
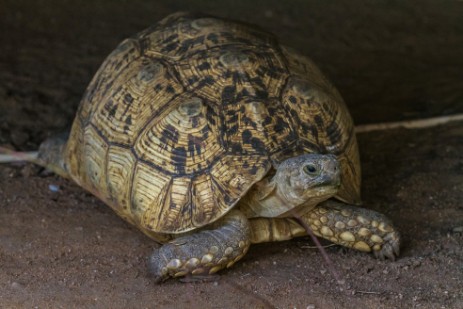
[
  {"x": 204, "y": 252},
  {"x": 51, "y": 156},
  {"x": 354, "y": 227}
]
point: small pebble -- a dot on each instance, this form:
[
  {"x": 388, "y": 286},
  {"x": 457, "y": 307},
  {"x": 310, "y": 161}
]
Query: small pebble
[
  {"x": 54, "y": 188},
  {"x": 16, "y": 285}
]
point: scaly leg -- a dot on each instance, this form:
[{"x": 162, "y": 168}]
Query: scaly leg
[
  {"x": 354, "y": 227},
  {"x": 50, "y": 154},
  {"x": 204, "y": 252},
  {"x": 350, "y": 226}
]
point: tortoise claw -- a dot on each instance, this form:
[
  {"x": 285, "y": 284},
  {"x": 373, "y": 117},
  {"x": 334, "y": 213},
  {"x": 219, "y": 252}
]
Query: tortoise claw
[{"x": 391, "y": 247}]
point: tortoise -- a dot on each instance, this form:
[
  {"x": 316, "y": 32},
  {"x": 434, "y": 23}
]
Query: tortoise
[{"x": 209, "y": 136}]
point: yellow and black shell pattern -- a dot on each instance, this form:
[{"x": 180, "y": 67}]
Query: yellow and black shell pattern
[{"x": 183, "y": 118}]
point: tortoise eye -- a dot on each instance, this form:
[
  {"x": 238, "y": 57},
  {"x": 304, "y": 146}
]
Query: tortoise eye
[{"x": 310, "y": 169}]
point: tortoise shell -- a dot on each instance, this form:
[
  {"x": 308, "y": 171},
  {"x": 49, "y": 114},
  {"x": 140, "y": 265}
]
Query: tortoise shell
[{"x": 183, "y": 118}]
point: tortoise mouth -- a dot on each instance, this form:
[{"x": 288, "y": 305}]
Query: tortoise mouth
[
  {"x": 328, "y": 182},
  {"x": 322, "y": 190}
]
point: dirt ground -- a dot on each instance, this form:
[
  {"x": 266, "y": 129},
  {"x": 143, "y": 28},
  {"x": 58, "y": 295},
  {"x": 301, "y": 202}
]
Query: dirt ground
[{"x": 390, "y": 60}]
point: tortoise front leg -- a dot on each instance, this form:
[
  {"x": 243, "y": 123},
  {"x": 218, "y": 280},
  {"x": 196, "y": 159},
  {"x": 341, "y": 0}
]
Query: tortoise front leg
[
  {"x": 350, "y": 226},
  {"x": 354, "y": 227},
  {"x": 204, "y": 252}
]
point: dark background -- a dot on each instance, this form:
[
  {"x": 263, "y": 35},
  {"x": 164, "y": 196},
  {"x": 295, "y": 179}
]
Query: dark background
[{"x": 391, "y": 60}]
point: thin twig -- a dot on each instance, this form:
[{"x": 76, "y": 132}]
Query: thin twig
[
  {"x": 409, "y": 124},
  {"x": 327, "y": 259},
  {"x": 316, "y": 247},
  {"x": 368, "y": 292},
  {"x": 7, "y": 155}
]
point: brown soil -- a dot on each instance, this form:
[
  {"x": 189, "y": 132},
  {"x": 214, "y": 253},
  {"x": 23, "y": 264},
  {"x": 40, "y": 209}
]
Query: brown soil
[{"x": 390, "y": 60}]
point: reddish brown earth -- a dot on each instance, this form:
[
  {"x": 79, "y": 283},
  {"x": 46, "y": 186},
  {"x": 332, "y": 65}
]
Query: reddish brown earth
[{"x": 391, "y": 61}]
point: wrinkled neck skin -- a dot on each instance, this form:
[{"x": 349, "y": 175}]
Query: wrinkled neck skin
[{"x": 270, "y": 200}]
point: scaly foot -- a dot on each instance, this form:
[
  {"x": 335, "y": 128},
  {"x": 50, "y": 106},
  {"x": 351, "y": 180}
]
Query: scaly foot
[
  {"x": 354, "y": 227},
  {"x": 204, "y": 252}
]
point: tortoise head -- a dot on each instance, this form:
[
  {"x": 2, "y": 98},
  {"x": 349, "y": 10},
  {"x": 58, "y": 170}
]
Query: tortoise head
[
  {"x": 298, "y": 185},
  {"x": 307, "y": 179}
]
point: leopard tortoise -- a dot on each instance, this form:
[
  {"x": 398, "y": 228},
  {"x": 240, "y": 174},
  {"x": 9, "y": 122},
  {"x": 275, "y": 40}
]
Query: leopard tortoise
[{"x": 209, "y": 136}]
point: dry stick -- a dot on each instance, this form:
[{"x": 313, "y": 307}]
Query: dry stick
[
  {"x": 409, "y": 124},
  {"x": 7, "y": 156},
  {"x": 368, "y": 292},
  {"x": 322, "y": 250},
  {"x": 315, "y": 247},
  {"x": 10, "y": 156}
]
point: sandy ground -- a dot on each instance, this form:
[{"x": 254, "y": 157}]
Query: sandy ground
[{"x": 390, "y": 61}]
